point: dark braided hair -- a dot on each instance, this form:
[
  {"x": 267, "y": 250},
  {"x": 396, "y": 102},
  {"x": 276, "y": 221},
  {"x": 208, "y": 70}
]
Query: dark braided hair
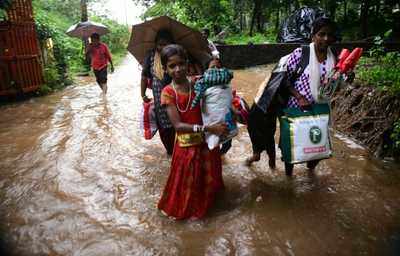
[{"x": 171, "y": 50}]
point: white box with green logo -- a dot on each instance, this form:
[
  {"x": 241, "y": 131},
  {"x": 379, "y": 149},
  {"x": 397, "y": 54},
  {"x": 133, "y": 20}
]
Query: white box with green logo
[{"x": 305, "y": 134}]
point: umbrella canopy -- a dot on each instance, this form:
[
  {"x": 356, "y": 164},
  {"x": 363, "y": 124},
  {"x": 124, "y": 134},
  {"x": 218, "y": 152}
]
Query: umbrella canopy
[
  {"x": 86, "y": 28},
  {"x": 144, "y": 34}
]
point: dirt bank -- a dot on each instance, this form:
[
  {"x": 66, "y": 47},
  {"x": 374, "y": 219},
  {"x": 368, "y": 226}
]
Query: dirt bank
[{"x": 367, "y": 114}]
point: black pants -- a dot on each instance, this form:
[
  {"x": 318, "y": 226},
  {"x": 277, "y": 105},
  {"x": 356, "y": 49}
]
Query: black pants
[
  {"x": 261, "y": 127},
  {"x": 101, "y": 75},
  {"x": 225, "y": 147}
]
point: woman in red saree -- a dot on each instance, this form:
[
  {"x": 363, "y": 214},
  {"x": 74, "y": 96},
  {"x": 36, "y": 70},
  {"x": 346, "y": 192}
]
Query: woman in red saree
[{"x": 196, "y": 172}]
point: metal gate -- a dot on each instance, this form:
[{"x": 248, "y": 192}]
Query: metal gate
[{"x": 20, "y": 66}]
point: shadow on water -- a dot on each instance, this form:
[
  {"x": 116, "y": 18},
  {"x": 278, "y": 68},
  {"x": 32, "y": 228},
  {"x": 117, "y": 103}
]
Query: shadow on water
[{"x": 78, "y": 179}]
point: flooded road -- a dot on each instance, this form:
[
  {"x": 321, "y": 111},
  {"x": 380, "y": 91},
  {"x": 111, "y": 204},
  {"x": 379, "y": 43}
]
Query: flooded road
[{"x": 77, "y": 178}]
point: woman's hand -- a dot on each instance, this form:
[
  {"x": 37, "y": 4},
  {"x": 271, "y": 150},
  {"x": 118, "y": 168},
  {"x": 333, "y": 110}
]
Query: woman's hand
[
  {"x": 218, "y": 129},
  {"x": 303, "y": 102},
  {"x": 146, "y": 99},
  {"x": 350, "y": 77}
]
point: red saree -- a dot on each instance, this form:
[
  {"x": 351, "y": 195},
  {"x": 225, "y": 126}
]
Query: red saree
[{"x": 196, "y": 172}]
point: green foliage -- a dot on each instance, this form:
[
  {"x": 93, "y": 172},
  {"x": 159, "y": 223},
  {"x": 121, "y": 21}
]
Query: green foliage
[
  {"x": 382, "y": 72},
  {"x": 65, "y": 9},
  {"x": 381, "y": 68},
  {"x": 4, "y": 5},
  {"x": 245, "y": 38},
  {"x": 3, "y": 14},
  {"x": 213, "y": 14},
  {"x": 66, "y": 51},
  {"x": 395, "y": 136},
  {"x": 235, "y": 16},
  {"x": 52, "y": 79}
]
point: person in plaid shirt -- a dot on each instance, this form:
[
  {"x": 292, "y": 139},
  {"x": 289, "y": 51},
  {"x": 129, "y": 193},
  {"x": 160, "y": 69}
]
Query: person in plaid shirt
[{"x": 322, "y": 60}]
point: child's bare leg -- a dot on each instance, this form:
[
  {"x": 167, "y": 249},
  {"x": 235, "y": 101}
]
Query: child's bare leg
[{"x": 103, "y": 87}]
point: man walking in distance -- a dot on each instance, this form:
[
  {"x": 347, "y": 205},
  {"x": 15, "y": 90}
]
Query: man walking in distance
[{"x": 100, "y": 56}]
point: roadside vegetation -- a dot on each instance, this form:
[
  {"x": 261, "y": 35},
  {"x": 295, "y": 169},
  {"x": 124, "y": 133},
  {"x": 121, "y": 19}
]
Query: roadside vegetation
[
  {"x": 258, "y": 21},
  {"x": 395, "y": 136},
  {"x": 381, "y": 69}
]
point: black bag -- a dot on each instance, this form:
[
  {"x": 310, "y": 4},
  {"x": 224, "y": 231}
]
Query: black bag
[
  {"x": 276, "y": 92},
  {"x": 297, "y": 27}
]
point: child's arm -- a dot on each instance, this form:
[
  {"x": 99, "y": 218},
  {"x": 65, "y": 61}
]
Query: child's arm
[{"x": 179, "y": 126}]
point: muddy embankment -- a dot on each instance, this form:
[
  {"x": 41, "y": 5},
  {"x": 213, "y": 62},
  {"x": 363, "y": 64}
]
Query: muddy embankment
[{"x": 367, "y": 115}]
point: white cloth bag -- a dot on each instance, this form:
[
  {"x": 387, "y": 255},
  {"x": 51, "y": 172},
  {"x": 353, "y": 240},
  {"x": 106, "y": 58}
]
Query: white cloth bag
[{"x": 216, "y": 108}]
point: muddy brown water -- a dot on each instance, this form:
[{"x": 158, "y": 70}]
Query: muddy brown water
[{"x": 77, "y": 178}]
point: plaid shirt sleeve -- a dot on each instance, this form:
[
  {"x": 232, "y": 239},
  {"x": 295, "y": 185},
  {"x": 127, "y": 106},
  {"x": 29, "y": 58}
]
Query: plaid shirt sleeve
[
  {"x": 199, "y": 89},
  {"x": 293, "y": 61}
]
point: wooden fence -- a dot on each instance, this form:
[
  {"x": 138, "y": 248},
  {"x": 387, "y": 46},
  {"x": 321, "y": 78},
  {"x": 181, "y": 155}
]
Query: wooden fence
[{"x": 20, "y": 66}]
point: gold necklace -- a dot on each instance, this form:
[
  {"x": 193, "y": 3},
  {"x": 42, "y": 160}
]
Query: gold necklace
[{"x": 176, "y": 97}]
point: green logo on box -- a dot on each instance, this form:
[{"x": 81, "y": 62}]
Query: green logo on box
[{"x": 315, "y": 134}]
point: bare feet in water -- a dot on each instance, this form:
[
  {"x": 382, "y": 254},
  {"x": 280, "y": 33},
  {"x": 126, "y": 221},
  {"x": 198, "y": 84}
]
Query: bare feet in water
[
  {"x": 271, "y": 163},
  {"x": 254, "y": 158}
]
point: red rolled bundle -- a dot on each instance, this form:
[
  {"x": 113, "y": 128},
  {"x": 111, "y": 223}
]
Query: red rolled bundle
[
  {"x": 235, "y": 100},
  {"x": 342, "y": 57},
  {"x": 241, "y": 108},
  {"x": 351, "y": 60}
]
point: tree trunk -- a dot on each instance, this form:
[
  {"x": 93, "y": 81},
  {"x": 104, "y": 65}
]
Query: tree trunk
[
  {"x": 260, "y": 22},
  {"x": 85, "y": 41},
  {"x": 277, "y": 21},
  {"x": 84, "y": 13},
  {"x": 364, "y": 18},
  {"x": 296, "y": 4},
  {"x": 332, "y": 9},
  {"x": 254, "y": 16},
  {"x": 378, "y": 8},
  {"x": 260, "y": 18}
]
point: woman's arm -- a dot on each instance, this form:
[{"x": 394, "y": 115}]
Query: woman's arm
[
  {"x": 303, "y": 102},
  {"x": 145, "y": 77},
  {"x": 143, "y": 87},
  {"x": 179, "y": 126}
]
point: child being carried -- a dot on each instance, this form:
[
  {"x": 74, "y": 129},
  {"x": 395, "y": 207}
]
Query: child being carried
[{"x": 214, "y": 89}]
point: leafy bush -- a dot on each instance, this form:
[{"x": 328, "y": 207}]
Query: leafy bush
[
  {"x": 66, "y": 52},
  {"x": 4, "y": 5},
  {"x": 268, "y": 37},
  {"x": 396, "y": 135},
  {"x": 383, "y": 72},
  {"x": 381, "y": 68}
]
